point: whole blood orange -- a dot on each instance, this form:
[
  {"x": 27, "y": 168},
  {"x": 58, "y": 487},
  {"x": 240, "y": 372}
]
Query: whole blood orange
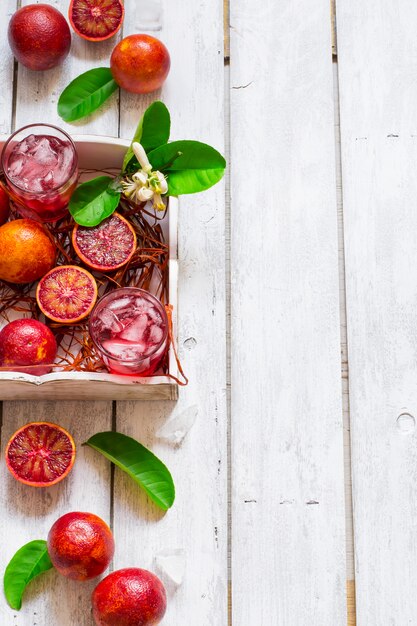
[
  {"x": 40, "y": 454},
  {"x": 129, "y": 597},
  {"x": 26, "y": 251},
  {"x": 27, "y": 342},
  {"x": 140, "y": 63},
  {"x": 4, "y": 206},
  {"x": 80, "y": 545},
  {"x": 39, "y": 36},
  {"x": 96, "y": 20},
  {"x": 67, "y": 294},
  {"x": 105, "y": 247}
]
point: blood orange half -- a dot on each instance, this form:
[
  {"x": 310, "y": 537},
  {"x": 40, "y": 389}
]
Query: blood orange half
[
  {"x": 40, "y": 454},
  {"x": 105, "y": 247},
  {"x": 67, "y": 294},
  {"x": 96, "y": 20}
]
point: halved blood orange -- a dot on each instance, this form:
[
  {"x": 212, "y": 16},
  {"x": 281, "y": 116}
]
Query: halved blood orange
[
  {"x": 105, "y": 247},
  {"x": 96, "y": 20},
  {"x": 67, "y": 294},
  {"x": 40, "y": 454}
]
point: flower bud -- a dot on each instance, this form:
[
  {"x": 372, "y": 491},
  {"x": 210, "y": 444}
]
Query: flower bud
[{"x": 141, "y": 156}]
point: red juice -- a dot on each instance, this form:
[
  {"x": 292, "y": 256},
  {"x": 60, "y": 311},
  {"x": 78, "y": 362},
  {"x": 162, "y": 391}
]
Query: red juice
[
  {"x": 129, "y": 327},
  {"x": 41, "y": 172}
]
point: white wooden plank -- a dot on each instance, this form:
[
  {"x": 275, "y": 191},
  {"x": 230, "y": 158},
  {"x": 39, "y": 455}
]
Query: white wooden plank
[
  {"x": 6, "y": 68},
  {"x": 27, "y": 513},
  {"x": 377, "y": 52},
  {"x": 38, "y": 92},
  {"x": 198, "y": 521},
  {"x": 288, "y": 551}
]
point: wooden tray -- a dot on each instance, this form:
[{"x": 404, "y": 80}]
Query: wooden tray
[{"x": 101, "y": 153}]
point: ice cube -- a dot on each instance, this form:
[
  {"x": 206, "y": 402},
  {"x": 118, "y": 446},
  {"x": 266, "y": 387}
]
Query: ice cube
[
  {"x": 28, "y": 143},
  {"x": 123, "y": 303},
  {"x": 65, "y": 160},
  {"x": 47, "y": 181},
  {"x": 156, "y": 334},
  {"x": 150, "y": 16},
  {"x": 109, "y": 321},
  {"x": 154, "y": 314},
  {"x": 136, "y": 329},
  {"x": 124, "y": 350},
  {"x": 176, "y": 429},
  {"x": 15, "y": 165},
  {"x": 140, "y": 304},
  {"x": 171, "y": 564},
  {"x": 44, "y": 154}
]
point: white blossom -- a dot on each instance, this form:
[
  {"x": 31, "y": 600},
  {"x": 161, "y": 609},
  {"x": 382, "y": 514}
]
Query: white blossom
[
  {"x": 140, "y": 177},
  {"x": 145, "y": 184},
  {"x": 144, "y": 194}
]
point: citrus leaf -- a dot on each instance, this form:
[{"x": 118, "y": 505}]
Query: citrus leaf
[
  {"x": 193, "y": 181},
  {"x": 153, "y": 131},
  {"x": 93, "y": 201},
  {"x": 28, "y": 562},
  {"x": 191, "y": 166},
  {"x": 140, "y": 463},
  {"x": 86, "y": 93}
]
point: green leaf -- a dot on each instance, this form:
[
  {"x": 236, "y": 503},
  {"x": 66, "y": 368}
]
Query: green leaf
[
  {"x": 191, "y": 166},
  {"x": 86, "y": 93},
  {"x": 28, "y": 562},
  {"x": 139, "y": 462},
  {"x": 94, "y": 200},
  {"x": 153, "y": 131}
]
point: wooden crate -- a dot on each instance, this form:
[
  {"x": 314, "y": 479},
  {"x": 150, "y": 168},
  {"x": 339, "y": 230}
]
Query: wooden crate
[{"x": 101, "y": 153}]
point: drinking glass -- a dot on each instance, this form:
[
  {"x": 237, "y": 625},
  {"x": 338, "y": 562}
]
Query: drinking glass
[
  {"x": 129, "y": 328},
  {"x": 40, "y": 164}
]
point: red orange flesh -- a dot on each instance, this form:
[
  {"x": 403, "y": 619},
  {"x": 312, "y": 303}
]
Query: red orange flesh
[
  {"x": 105, "y": 247},
  {"x": 80, "y": 545},
  {"x": 67, "y": 294},
  {"x": 96, "y": 20},
  {"x": 40, "y": 454}
]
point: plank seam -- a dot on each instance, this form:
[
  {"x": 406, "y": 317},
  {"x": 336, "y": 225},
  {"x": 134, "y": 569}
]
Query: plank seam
[
  {"x": 112, "y": 473},
  {"x": 350, "y": 566},
  {"x": 228, "y": 269}
]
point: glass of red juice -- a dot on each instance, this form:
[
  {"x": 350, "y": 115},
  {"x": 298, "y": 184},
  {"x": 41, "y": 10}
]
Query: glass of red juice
[
  {"x": 129, "y": 328},
  {"x": 40, "y": 165}
]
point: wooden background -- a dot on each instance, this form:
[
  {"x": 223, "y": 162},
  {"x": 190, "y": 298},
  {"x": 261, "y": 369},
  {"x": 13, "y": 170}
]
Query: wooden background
[{"x": 297, "y": 303}]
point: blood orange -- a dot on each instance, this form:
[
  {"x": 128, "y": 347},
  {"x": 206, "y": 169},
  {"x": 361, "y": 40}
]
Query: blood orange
[
  {"x": 27, "y": 342},
  {"x": 40, "y": 454},
  {"x": 26, "y": 251},
  {"x": 129, "y": 597},
  {"x": 140, "y": 63},
  {"x": 39, "y": 36},
  {"x": 105, "y": 247},
  {"x": 80, "y": 545},
  {"x": 67, "y": 294},
  {"x": 96, "y": 20}
]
